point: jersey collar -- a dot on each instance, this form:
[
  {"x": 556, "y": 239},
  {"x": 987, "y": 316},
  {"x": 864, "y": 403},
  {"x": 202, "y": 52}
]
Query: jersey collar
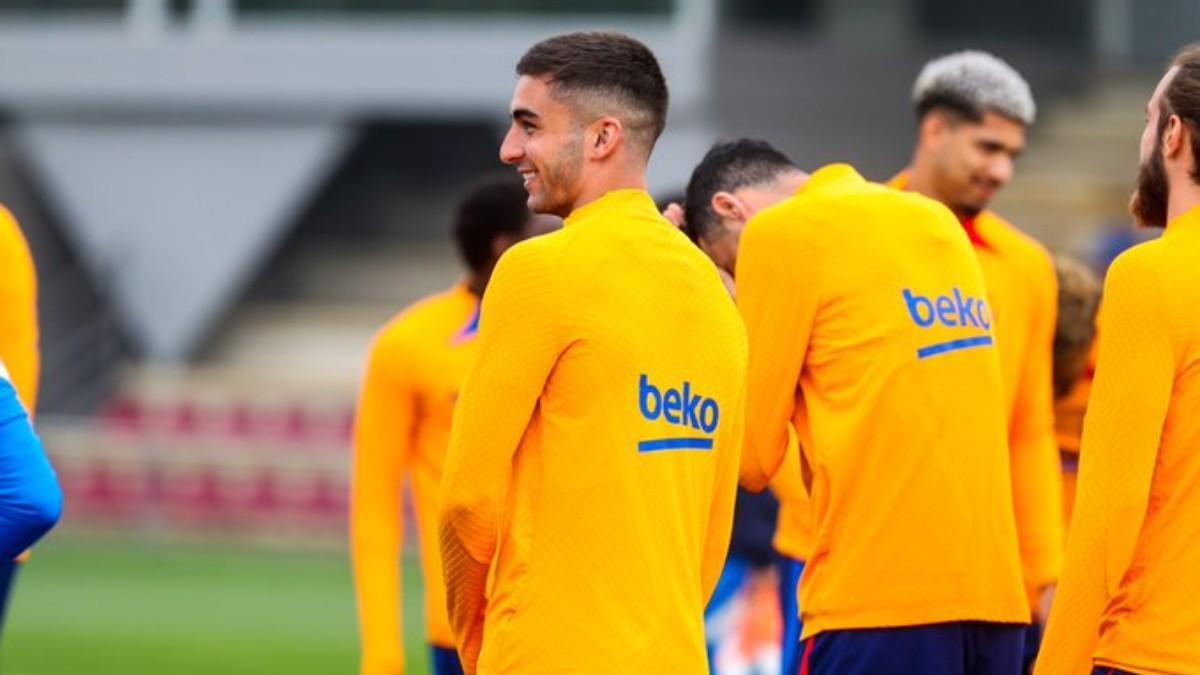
[
  {"x": 1186, "y": 220},
  {"x": 832, "y": 177},
  {"x": 617, "y": 200},
  {"x": 470, "y": 327}
]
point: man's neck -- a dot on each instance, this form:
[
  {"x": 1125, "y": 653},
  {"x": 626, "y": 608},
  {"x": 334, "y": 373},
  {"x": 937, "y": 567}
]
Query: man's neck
[
  {"x": 477, "y": 282},
  {"x": 924, "y": 183},
  {"x": 1182, "y": 199},
  {"x": 921, "y": 180}
]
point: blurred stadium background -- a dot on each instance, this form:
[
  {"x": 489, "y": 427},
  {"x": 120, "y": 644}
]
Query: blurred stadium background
[{"x": 225, "y": 198}]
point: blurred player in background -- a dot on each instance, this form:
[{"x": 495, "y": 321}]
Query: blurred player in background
[
  {"x": 1130, "y": 588},
  {"x": 30, "y": 498},
  {"x": 18, "y": 311},
  {"x": 869, "y": 333},
  {"x": 1074, "y": 364},
  {"x": 742, "y": 623},
  {"x": 18, "y": 341},
  {"x": 732, "y": 183},
  {"x": 588, "y": 493},
  {"x": 414, "y": 369},
  {"x": 972, "y": 112}
]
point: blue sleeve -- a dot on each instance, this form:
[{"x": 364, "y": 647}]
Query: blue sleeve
[{"x": 30, "y": 498}]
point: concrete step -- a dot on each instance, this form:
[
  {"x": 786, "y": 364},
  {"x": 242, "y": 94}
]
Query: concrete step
[{"x": 389, "y": 274}]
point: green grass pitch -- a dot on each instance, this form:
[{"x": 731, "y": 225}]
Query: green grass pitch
[{"x": 127, "y": 609}]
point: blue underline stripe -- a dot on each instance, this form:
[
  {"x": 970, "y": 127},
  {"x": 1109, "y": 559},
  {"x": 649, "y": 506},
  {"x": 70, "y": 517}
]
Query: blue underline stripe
[
  {"x": 675, "y": 444},
  {"x": 954, "y": 345}
]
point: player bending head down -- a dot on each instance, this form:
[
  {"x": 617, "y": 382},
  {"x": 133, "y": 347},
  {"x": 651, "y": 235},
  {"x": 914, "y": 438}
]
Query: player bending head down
[{"x": 734, "y": 181}]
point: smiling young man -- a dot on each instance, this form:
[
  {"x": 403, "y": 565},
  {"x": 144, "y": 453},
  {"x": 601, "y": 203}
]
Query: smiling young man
[
  {"x": 1130, "y": 589},
  {"x": 972, "y": 111},
  {"x": 588, "y": 490}
]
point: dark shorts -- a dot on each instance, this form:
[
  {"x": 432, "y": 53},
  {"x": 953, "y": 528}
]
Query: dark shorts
[
  {"x": 445, "y": 661},
  {"x": 789, "y": 578},
  {"x": 960, "y": 648},
  {"x": 1101, "y": 670},
  {"x": 1033, "y": 642}
]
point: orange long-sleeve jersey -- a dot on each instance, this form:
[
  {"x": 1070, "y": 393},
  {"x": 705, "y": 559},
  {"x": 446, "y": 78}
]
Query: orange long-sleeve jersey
[
  {"x": 1022, "y": 291},
  {"x": 416, "y": 364},
  {"x": 869, "y": 332},
  {"x": 1130, "y": 589},
  {"x": 1068, "y": 431},
  {"x": 18, "y": 311},
  {"x": 793, "y": 527},
  {"x": 588, "y": 493}
]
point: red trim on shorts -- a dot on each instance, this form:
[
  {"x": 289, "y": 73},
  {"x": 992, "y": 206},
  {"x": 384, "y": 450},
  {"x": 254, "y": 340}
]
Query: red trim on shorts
[{"x": 808, "y": 647}]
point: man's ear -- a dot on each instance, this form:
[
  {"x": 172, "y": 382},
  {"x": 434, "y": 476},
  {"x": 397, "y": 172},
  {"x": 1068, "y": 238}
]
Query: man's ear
[
  {"x": 603, "y": 138},
  {"x": 1175, "y": 137},
  {"x": 728, "y": 207},
  {"x": 932, "y": 127}
]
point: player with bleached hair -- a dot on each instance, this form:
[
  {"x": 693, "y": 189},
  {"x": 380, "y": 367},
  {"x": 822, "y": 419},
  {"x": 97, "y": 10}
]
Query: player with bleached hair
[
  {"x": 975, "y": 82},
  {"x": 973, "y": 110}
]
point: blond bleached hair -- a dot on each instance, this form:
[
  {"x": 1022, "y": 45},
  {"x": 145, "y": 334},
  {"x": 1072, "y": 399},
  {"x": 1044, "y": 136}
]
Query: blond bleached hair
[{"x": 974, "y": 83}]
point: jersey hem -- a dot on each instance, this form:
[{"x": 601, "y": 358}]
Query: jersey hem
[{"x": 930, "y": 616}]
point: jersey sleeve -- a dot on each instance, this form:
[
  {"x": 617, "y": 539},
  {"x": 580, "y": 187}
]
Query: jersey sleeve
[
  {"x": 1122, "y": 432},
  {"x": 793, "y": 529},
  {"x": 1036, "y": 468},
  {"x": 778, "y": 304},
  {"x": 383, "y": 434},
  {"x": 30, "y": 498},
  {"x": 519, "y": 341},
  {"x": 18, "y": 311}
]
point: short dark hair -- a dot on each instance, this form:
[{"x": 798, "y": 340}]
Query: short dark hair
[
  {"x": 1182, "y": 98},
  {"x": 953, "y": 107},
  {"x": 613, "y": 66},
  {"x": 493, "y": 207},
  {"x": 728, "y": 166}
]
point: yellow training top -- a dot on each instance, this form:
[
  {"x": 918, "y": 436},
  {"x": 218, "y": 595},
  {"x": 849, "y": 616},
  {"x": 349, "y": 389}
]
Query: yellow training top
[
  {"x": 1068, "y": 424},
  {"x": 1022, "y": 293},
  {"x": 588, "y": 492},
  {"x": 414, "y": 369},
  {"x": 18, "y": 311},
  {"x": 869, "y": 331},
  {"x": 793, "y": 528},
  {"x": 1130, "y": 587}
]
